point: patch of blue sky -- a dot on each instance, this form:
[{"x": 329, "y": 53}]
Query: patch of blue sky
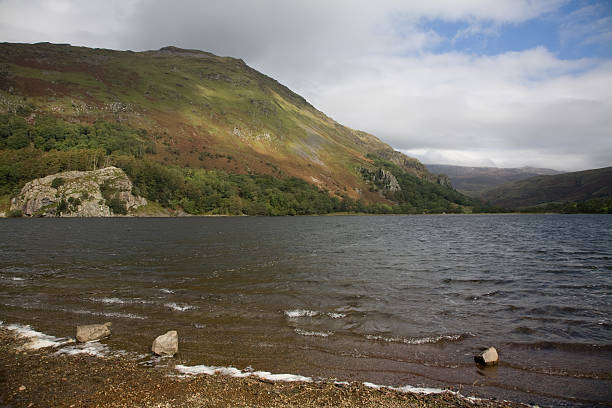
[{"x": 579, "y": 29}]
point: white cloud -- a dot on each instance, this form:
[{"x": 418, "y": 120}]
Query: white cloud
[{"x": 528, "y": 102}]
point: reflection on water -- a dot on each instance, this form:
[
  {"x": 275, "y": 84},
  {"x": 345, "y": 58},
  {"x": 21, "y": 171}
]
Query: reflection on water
[{"x": 390, "y": 299}]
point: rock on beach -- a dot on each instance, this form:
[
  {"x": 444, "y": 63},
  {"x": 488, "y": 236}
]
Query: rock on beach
[
  {"x": 487, "y": 357},
  {"x": 91, "y": 332},
  {"x": 166, "y": 344}
]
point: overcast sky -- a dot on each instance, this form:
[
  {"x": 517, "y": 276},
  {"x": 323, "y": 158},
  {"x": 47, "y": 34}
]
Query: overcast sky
[{"x": 504, "y": 83}]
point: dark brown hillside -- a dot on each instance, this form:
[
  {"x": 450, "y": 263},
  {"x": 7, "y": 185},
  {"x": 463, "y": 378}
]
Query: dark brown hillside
[{"x": 576, "y": 186}]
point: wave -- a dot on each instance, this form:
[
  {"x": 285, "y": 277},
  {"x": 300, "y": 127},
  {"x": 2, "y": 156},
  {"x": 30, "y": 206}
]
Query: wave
[
  {"x": 119, "y": 301},
  {"x": 36, "y": 339},
  {"x": 551, "y": 345},
  {"x": 312, "y": 313},
  {"x": 164, "y": 290},
  {"x": 420, "y": 340},
  {"x": 106, "y": 314},
  {"x": 301, "y": 313},
  {"x": 234, "y": 372},
  {"x": 179, "y": 308},
  {"x": 92, "y": 348},
  {"x": 313, "y": 333},
  {"x": 407, "y": 389},
  {"x": 67, "y": 346}
]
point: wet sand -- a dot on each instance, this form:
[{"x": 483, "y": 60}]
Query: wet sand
[{"x": 41, "y": 378}]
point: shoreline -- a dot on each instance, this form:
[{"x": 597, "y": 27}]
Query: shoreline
[{"x": 39, "y": 377}]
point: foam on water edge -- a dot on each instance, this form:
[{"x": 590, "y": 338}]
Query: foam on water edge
[
  {"x": 408, "y": 389},
  {"x": 67, "y": 346},
  {"x": 36, "y": 339},
  {"x": 93, "y": 348},
  {"x": 234, "y": 372}
]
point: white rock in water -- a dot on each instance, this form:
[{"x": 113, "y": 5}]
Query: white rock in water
[
  {"x": 166, "y": 344},
  {"x": 91, "y": 332},
  {"x": 487, "y": 357}
]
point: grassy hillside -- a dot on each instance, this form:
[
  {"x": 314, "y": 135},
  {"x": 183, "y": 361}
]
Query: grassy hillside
[
  {"x": 204, "y": 133},
  {"x": 473, "y": 180},
  {"x": 557, "y": 189}
]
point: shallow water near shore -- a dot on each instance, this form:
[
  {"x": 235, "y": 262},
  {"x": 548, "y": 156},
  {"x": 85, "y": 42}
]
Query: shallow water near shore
[{"x": 393, "y": 300}]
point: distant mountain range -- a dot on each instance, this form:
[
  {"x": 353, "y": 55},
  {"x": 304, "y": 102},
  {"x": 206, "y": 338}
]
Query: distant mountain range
[
  {"x": 530, "y": 187},
  {"x": 474, "y": 180},
  {"x": 553, "y": 189}
]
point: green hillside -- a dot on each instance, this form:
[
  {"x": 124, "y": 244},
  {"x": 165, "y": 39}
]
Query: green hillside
[
  {"x": 196, "y": 132},
  {"x": 555, "y": 190}
]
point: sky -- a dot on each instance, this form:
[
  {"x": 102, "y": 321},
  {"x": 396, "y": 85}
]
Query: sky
[{"x": 505, "y": 83}]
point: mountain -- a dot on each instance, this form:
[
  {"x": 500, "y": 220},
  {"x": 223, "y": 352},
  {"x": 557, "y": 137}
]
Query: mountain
[
  {"x": 555, "y": 189},
  {"x": 474, "y": 180},
  {"x": 196, "y": 131}
]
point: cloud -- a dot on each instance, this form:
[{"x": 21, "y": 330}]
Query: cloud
[
  {"x": 480, "y": 105},
  {"x": 372, "y": 66},
  {"x": 588, "y": 25}
]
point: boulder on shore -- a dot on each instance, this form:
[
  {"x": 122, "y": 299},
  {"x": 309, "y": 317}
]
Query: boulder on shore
[
  {"x": 166, "y": 344},
  {"x": 487, "y": 357},
  {"x": 104, "y": 192},
  {"x": 91, "y": 332}
]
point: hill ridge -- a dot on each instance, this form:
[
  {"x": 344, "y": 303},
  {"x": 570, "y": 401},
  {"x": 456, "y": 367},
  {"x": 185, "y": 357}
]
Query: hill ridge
[{"x": 191, "y": 109}]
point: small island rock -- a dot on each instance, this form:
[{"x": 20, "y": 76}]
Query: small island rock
[
  {"x": 91, "y": 332},
  {"x": 487, "y": 357},
  {"x": 166, "y": 344}
]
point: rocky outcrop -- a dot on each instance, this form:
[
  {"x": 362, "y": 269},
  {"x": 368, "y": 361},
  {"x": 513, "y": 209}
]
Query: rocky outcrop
[
  {"x": 381, "y": 178},
  {"x": 487, "y": 357},
  {"x": 387, "y": 180},
  {"x": 98, "y": 193},
  {"x": 92, "y": 332},
  {"x": 166, "y": 344},
  {"x": 413, "y": 166}
]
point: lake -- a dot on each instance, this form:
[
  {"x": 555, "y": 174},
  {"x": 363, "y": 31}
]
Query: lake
[{"x": 392, "y": 300}]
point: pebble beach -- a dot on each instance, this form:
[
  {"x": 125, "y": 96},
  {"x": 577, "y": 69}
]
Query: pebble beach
[{"x": 42, "y": 377}]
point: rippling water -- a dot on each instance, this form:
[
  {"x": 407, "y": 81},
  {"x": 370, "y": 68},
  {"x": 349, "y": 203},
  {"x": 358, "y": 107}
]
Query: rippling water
[{"x": 393, "y": 300}]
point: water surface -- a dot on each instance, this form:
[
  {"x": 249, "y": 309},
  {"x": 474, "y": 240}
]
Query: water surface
[{"x": 392, "y": 300}]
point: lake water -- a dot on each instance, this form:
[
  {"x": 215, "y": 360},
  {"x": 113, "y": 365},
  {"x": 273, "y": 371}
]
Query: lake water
[{"x": 392, "y": 300}]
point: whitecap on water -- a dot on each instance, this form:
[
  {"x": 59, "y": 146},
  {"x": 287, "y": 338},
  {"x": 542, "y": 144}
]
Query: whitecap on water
[
  {"x": 179, "y": 308},
  {"x": 120, "y": 301},
  {"x": 417, "y": 340},
  {"x": 313, "y": 333},
  {"x": 106, "y": 314},
  {"x": 300, "y": 313},
  {"x": 295, "y": 313}
]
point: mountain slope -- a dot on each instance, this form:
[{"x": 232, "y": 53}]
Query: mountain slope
[
  {"x": 566, "y": 187},
  {"x": 187, "y": 109},
  {"x": 473, "y": 180}
]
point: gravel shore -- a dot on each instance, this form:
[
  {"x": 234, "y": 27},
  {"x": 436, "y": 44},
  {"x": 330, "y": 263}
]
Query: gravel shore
[{"x": 42, "y": 378}]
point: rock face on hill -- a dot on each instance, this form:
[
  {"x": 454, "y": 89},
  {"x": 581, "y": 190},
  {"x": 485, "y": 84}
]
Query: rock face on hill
[{"x": 98, "y": 193}]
